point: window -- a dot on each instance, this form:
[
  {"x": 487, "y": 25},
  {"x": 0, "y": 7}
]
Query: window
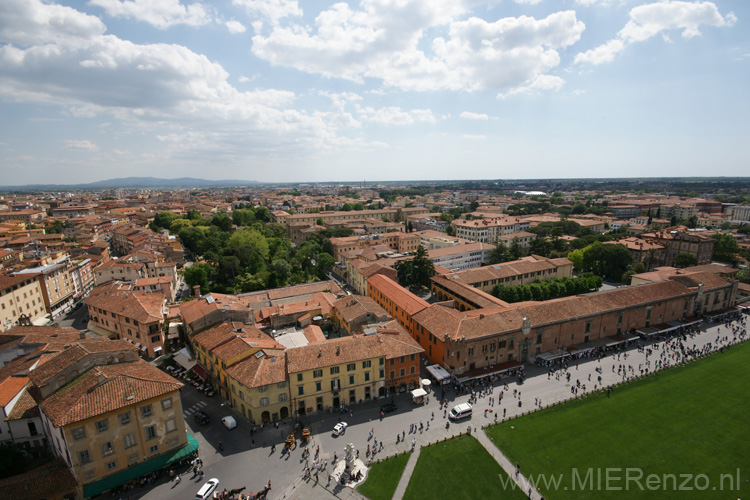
[
  {"x": 170, "y": 425},
  {"x": 393, "y": 374},
  {"x": 501, "y": 344},
  {"x": 78, "y": 433},
  {"x": 382, "y": 373},
  {"x": 102, "y": 425},
  {"x": 381, "y": 362},
  {"x": 299, "y": 377},
  {"x": 318, "y": 386},
  {"x": 264, "y": 401},
  {"x": 334, "y": 370},
  {"x": 484, "y": 348},
  {"x": 166, "y": 404},
  {"x": 283, "y": 397},
  {"x": 403, "y": 372},
  {"x": 366, "y": 364},
  {"x": 588, "y": 327},
  {"x": 492, "y": 347},
  {"x": 281, "y": 385},
  {"x": 471, "y": 351},
  {"x": 367, "y": 376},
  {"x": 146, "y": 411},
  {"x": 84, "y": 457},
  {"x": 263, "y": 388},
  {"x": 129, "y": 440},
  {"x": 154, "y": 339},
  {"x": 300, "y": 390},
  {"x": 538, "y": 337},
  {"x": 351, "y": 379},
  {"x": 510, "y": 344},
  {"x": 107, "y": 449},
  {"x": 153, "y": 449},
  {"x": 151, "y": 432},
  {"x": 112, "y": 465},
  {"x": 317, "y": 373},
  {"x": 351, "y": 367}
]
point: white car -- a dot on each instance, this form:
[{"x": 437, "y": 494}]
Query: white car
[
  {"x": 207, "y": 489},
  {"x": 340, "y": 428},
  {"x": 229, "y": 422}
]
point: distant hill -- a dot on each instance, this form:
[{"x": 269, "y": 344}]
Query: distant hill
[{"x": 132, "y": 182}]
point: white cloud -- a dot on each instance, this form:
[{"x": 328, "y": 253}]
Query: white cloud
[
  {"x": 393, "y": 115},
  {"x": 542, "y": 82},
  {"x": 82, "y": 145},
  {"x": 652, "y": 19},
  {"x": 159, "y": 13},
  {"x": 273, "y": 10},
  {"x": 384, "y": 39},
  {"x": 468, "y": 115},
  {"x": 56, "y": 55},
  {"x": 527, "y": 2},
  {"x": 474, "y": 137},
  {"x": 235, "y": 26},
  {"x": 602, "y": 53}
]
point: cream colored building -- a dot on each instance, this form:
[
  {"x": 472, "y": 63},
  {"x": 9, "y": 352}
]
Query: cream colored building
[{"x": 21, "y": 297}]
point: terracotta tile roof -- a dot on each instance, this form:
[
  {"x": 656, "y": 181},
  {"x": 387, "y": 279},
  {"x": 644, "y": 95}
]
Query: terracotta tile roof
[
  {"x": 7, "y": 281},
  {"x": 218, "y": 335},
  {"x": 475, "y": 295},
  {"x": 50, "y": 480},
  {"x": 404, "y": 299},
  {"x": 79, "y": 350},
  {"x": 25, "y": 408},
  {"x": 336, "y": 351},
  {"x": 319, "y": 302},
  {"x": 10, "y": 387},
  {"x": 305, "y": 289},
  {"x": 355, "y": 306},
  {"x": 143, "y": 307},
  {"x": 121, "y": 385},
  {"x": 483, "y": 322},
  {"x": 397, "y": 341},
  {"x": 313, "y": 333},
  {"x": 196, "y": 309},
  {"x": 507, "y": 270},
  {"x": 259, "y": 371}
]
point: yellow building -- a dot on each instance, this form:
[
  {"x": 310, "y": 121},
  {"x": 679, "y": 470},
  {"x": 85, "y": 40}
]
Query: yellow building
[
  {"x": 341, "y": 371},
  {"x": 114, "y": 421},
  {"x": 20, "y": 298},
  {"x": 224, "y": 345},
  {"x": 259, "y": 386}
]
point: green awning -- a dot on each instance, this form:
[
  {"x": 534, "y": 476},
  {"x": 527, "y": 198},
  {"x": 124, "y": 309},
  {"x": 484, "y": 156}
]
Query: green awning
[{"x": 141, "y": 469}]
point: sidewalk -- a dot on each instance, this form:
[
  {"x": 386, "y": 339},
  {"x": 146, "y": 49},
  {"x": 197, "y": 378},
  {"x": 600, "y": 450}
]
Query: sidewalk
[
  {"x": 406, "y": 476},
  {"x": 508, "y": 467}
]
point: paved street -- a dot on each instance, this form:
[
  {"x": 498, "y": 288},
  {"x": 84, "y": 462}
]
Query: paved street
[{"x": 242, "y": 464}]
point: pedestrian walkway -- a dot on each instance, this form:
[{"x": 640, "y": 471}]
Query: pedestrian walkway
[
  {"x": 406, "y": 476},
  {"x": 508, "y": 467}
]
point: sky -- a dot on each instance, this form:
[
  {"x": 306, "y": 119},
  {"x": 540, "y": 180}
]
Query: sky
[{"x": 372, "y": 90}]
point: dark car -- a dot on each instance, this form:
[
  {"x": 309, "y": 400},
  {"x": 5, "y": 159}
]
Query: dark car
[
  {"x": 202, "y": 417},
  {"x": 390, "y": 407}
]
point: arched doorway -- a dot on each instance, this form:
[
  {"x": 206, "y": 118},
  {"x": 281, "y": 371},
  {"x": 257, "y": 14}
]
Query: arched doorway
[
  {"x": 265, "y": 417},
  {"x": 381, "y": 392},
  {"x": 284, "y": 412}
]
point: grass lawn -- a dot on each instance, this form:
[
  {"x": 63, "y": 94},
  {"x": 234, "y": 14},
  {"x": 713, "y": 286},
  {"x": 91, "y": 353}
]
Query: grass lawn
[
  {"x": 383, "y": 478},
  {"x": 686, "y": 420},
  {"x": 459, "y": 468}
]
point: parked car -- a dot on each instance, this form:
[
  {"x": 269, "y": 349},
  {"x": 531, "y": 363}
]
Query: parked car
[
  {"x": 229, "y": 422},
  {"x": 207, "y": 489},
  {"x": 201, "y": 417},
  {"x": 388, "y": 408},
  {"x": 340, "y": 428}
]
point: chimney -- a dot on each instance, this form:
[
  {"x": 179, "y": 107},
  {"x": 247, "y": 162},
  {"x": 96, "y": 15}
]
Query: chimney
[
  {"x": 196, "y": 290},
  {"x": 100, "y": 379}
]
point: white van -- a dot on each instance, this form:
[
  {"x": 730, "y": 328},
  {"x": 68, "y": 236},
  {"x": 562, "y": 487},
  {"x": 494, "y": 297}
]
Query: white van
[
  {"x": 207, "y": 489},
  {"x": 460, "y": 411}
]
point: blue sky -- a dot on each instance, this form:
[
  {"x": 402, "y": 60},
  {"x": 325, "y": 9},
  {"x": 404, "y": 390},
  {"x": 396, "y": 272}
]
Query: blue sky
[{"x": 284, "y": 91}]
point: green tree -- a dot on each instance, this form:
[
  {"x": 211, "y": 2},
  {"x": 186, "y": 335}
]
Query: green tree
[
  {"x": 281, "y": 271},
  {"x": 685, "y": 260},
  {"x": 162, "y": 220},
  {"x": 178, "y": 225},
  {"x": 516, "y": 251},
  {"x": 417, "y": 271},
  {"x": 325, "y": 265},
  {"x": 243, "y": 217},
  {"x": 222, "y": 221},
  {"x": 725, "y": 248},
  {"x": 250, "y": 247},
  {"x": 262, "y": 214},
  {"x": 197, "y": 275},
  {"x": 499, "y": 254},
  {"x": 743, "y": 275}
]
